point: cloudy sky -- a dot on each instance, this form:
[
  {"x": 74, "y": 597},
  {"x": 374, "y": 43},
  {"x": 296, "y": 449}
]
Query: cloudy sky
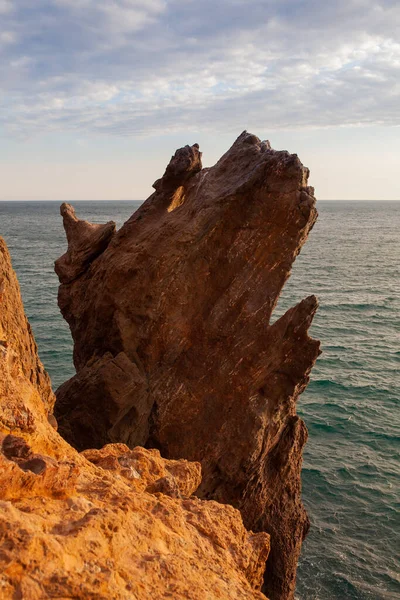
[{"x": 97, "y": 94}]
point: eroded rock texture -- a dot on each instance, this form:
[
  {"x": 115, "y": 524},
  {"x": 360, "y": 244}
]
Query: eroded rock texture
[
  {"x": 18, "y": 351},
  {"x": 173, "y": 344},
  {"x": 112, "y": 523}
]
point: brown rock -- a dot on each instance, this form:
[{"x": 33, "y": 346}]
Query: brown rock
[
  {"x": 185, "y": 290},
  {"x": 86, "y": 526},
  {"x": 85, "y": 242},
  {"x": 120, "y": 420},
  {"x": 185, "y": 163}
]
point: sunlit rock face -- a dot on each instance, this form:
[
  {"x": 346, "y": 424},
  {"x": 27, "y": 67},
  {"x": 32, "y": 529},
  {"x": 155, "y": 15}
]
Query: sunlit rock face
[
  {"x": 173, "y": 344},
  {"x": 112, "y": 523}
]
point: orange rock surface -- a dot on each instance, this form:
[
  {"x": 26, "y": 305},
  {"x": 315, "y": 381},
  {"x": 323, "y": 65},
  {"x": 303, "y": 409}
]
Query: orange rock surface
[{"x": 112, "y": 523}]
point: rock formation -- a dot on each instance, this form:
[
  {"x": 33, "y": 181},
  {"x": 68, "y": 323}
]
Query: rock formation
[
  {"x": 173, "y": 342},
  {"x": 112, "y": 523}
]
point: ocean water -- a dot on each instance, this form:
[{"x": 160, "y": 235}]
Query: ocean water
[{"x": 351, "y": 468}]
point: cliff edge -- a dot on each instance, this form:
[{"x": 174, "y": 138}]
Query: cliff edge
[{"x": 111, "y": 523}]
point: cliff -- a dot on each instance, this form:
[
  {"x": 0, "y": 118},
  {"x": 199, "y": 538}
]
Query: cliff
[
  {"x": 173, "y": 342},
  {"x": 115, "y": 523}
]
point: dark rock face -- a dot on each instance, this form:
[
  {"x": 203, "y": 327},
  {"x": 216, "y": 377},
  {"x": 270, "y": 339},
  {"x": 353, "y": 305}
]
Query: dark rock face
[
  {"x": 106, "y": 386},
  {"x": 173, "y": 344}
]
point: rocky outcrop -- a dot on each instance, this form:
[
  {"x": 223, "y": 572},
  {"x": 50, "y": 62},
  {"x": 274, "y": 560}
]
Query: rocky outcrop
[
  {"x": 114, "y": 522},
  {"x": 85, "y": 242},
  {"x": 18, "y": 351},
  {"x": 173, "y": 342}
]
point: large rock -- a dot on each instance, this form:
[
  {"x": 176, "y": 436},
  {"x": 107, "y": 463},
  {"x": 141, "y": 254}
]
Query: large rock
[
  {"x": 111, "y": 523},
  {"x": 173, "y": 344},
  {"x": 18, "y": 351}
]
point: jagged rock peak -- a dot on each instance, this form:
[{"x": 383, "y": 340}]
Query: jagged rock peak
[
  {"x": 86, "y": 241},
  {"x": 182, "y": 301},
  {"x": 185, "y": 163},
  {"x": 18, "y": 352}
]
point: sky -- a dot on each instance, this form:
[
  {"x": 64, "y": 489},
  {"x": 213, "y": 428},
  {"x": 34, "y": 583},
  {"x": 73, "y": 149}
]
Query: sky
[{"x": 96, "y": 95}]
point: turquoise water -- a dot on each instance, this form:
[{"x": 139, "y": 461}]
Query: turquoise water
[{"x": 351, "y": 407}]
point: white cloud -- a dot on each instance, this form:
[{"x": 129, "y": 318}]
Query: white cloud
[
  {"x": 133, "y": 66},
  {"x": 118, "y": 16},
  {"x": 6, "y": 6},
  {"x": 7, "y": 37}
]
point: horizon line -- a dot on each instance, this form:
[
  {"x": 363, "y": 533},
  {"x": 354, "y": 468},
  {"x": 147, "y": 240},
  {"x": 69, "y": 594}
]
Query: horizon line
[{"x": 143, "y": 200}]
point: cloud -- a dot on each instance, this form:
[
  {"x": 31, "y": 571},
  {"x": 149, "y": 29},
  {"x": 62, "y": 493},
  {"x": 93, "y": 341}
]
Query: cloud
[
  {"x": 7, "y": 37},
  {"x": 132, "y": 67},
  {"x": 5, "y": 6}
]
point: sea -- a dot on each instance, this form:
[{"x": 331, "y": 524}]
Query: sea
[{"x": 351, "y": 471}]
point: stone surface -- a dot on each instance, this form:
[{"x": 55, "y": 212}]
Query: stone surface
[
  {"x": 85, "y": 242},
  {"x": 183, "y": 296},
  {"x": 111, "y": 523},
  {"x": 18, "y": 351},
  {"x": 118, "y": 378}
]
